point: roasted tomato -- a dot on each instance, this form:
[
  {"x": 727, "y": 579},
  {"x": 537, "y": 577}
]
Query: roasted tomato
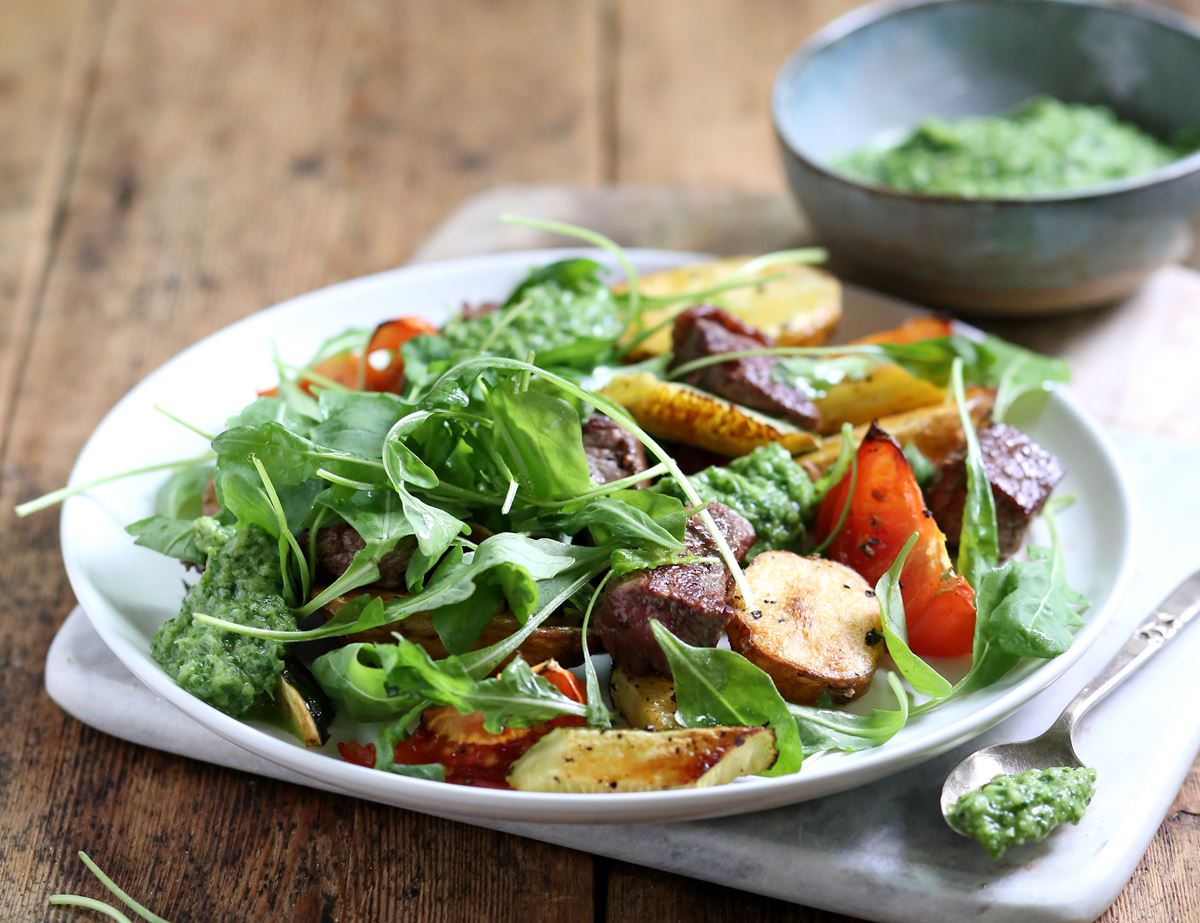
[
  {"x": 887, "y": 507},
  {"x": 913, "y": 330},
  {"x": 385, "y": 343},
  {"x": 470, "y": 754},
  {"x": 342, "y": 368},
  {"x": 384, "y": 369}
]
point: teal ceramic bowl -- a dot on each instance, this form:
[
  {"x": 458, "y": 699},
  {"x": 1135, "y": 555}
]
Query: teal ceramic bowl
[{"x": 879, "y": 71}]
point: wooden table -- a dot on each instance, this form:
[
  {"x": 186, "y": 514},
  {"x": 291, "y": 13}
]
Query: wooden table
[{"x": 169, "y": 167}]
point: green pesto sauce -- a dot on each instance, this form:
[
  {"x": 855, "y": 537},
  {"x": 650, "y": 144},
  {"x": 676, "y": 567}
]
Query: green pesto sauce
[
  {"x": 766, "y": 486},
  {"x": 1012, "y": 810},
  {"x": 241, "y": 582},
  {"x": 1042, "y": 146}
]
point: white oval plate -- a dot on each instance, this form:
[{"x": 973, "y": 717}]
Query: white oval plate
[{"x": 128, "y": 591}]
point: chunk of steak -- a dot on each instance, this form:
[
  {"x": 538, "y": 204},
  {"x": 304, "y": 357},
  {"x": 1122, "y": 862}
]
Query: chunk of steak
[
  {"x": 336, "y": 546},
  {"x": 691, "y": 600},
  {"x": 708, "y": 331},
  {"x": 612, "y": 451},
  {"x": 476, "y": 310},
  {"x": 1022, "y": 475}
]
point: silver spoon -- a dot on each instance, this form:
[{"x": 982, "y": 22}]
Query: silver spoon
[{"x": 1056, "y": 746}]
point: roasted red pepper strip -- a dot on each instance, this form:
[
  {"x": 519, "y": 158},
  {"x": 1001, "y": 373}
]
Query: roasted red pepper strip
[
  {"x": 471, "y": 755},
  {"x": 887, "y": 507},
  {"x": 389, "y": 337},
  {"x": 346, "y": 367}
]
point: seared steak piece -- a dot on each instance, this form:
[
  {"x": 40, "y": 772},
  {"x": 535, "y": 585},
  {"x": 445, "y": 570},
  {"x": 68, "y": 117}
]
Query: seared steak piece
[
  {"x": 689, "y": 599},
  {"x": 470, "y": 311},
  {"x": 1021, "y": 473},
  {"x": 337, "y": 545},
  {"x": 612, "y": 451},
  {"x": 708, "y": 331}
]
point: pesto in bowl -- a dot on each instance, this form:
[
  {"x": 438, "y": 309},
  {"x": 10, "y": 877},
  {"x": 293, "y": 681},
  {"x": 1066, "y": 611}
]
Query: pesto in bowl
[{"x": 1042, "y": 146}]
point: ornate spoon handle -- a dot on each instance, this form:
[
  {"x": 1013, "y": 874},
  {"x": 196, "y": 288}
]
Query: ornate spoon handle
[{"x": 1164, "y": 623}]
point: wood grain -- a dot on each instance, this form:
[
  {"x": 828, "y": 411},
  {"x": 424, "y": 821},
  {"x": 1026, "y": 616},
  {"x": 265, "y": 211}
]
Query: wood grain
[
  {"x": 230, "y": 155},
  {"x": 170, "y": 167}
]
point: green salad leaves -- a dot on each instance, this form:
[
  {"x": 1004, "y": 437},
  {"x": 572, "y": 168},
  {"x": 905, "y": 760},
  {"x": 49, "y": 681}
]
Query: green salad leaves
[{"x": 469, "y": 494}]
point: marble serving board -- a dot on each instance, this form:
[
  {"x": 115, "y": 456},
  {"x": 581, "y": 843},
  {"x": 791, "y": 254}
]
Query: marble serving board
[{"x": 880, "y": 852}]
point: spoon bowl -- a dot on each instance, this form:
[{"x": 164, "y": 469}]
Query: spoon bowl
[{"x": 1056, "y": 746}]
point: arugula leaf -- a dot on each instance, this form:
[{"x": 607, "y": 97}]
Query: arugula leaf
[
  {"x": 1024, "y": 609},
  {"x": 554, "y": 594},
  {"x": 920, "y": 675},
  {"x": 516, "y": 698},
  {"x": 540, "y": 439},
  {"x": 271, "y": 410},
  {"x": 292, "y": 463},
  {"x": 522, "y": 559},
  {"x": 357, "y": 422},
  {"x": 378, "y": 682},
  {"x": 643, "y": 528},
  {"x": 354, "y": 678},
  {"x": 378, "y": 517},
  {"x": 834, "y": 729},
  {"x": 182, "y": 493},
  {"x": 572, "y": 275},
  {"x": 1035, "y": 613},
  {"x": 978, "y": 543},
  {"x": 290, "y": 458},
  {"x": 434, "y": 528},
  {"x": 507, "y": 568},
  {"x": 598, "y": 714},
  {"x": 176, "y": 538},
  {"x": 991, "y": 362},
  {"x": 715, "y": 688}
]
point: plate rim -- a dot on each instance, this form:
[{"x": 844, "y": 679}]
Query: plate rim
[{"x": 466, "y": 802}]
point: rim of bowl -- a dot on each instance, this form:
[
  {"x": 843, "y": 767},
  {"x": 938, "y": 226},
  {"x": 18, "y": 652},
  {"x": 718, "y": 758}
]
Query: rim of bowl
[{"x": 872, "y": 13}]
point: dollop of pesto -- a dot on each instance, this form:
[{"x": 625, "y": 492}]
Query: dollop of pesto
[
  {"x": 1042, "y": 146},
  {"x": 766, "y": 486},
  {"x": 241, "y": 583},
  {"x": 1013, "y": 810}
]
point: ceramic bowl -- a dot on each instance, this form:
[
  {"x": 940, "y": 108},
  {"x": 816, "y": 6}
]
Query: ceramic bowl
[{"x": 880, "y": 70}]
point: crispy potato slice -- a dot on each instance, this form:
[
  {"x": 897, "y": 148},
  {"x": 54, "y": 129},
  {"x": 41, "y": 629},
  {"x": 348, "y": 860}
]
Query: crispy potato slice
[
  {"x": 935, "y": 430},
  {"x": 886, "y": 391},
  {"x": 585, "y": 760},
  {"x": 679, "y": 412},
  {"x": 646, "y": 702},
  {"x": 816, "y": 628},
  {"x": 547, "y": 642},
  {"x": 800, "y": 309}
]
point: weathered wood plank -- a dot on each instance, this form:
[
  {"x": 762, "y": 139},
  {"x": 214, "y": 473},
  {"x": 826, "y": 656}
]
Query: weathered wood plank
[
  {"x": 1164, "y": 886},
  {"x": 48, "y": 51},
  {"x": 694, "y": 87},
  {"x": 234, "y": 154}
]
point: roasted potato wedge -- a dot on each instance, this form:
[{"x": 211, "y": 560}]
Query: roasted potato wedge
[
  {"x": 800, "y": 309},
  {"x": 681, "y": 413},
  {"x": 585, "y": 760},
  {"x": 646, "y": 702},
  {"x": 815, "y": 627},
  {"x": 548, "y": 641},
  {"x": 935, "y": 430},
  {"x": 886, "y": 391}
]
